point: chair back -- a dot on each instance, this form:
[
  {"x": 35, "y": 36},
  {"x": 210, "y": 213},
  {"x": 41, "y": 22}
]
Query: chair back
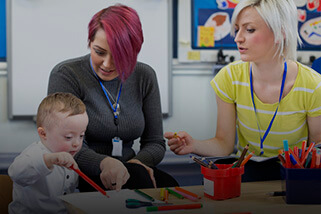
[{"x": 6, "y": 185}]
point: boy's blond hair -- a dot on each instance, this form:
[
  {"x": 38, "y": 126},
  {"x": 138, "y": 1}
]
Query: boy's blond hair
[{"x": 58, "y": 102}]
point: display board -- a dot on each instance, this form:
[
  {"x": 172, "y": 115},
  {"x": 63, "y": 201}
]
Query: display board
[
  {"x": 42, "y": 33},
  {"x": 211, "y": 24},
  {"x": 3, "y": 45}
]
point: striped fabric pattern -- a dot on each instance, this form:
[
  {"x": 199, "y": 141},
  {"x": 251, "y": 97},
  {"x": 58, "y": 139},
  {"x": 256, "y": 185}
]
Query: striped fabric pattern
[{"x": 232, "y": 85}]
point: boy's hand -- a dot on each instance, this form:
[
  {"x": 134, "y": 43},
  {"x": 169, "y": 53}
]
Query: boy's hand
[{"x": 61, "y": 159}]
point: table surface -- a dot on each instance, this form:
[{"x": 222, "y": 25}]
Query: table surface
[{"x": 254, "y": 198}]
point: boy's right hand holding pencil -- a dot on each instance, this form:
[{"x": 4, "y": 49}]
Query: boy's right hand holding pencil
[{"x": 64, "y": 159}]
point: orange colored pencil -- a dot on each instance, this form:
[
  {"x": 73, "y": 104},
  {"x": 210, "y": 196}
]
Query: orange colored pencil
[
  {"x": 281, "y": 159},
  {"x": 166, "y": 195},
  {"x": 247, "y": 158},
  {"x": 187, "y": 192}
]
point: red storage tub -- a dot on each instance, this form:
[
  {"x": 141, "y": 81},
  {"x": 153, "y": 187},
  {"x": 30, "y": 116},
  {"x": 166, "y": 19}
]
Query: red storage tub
[{"x": 222, "y": 183}]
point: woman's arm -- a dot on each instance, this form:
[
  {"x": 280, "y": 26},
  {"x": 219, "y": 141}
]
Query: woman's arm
[
  {"x": 314, "y": 124},
  {"x": 220, "y": 145}
]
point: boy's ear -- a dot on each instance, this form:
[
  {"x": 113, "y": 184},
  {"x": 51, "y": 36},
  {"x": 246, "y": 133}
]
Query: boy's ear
[{"x": 41, "y": 133}]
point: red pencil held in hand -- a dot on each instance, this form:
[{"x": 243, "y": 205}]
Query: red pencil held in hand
[{"x": 91, "y": 182}]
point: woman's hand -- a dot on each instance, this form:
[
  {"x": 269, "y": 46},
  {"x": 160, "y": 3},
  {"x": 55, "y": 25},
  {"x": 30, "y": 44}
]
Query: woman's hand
[
  {"x": 113, "y": 173},
  {"x": 180, "y": 143},
  {"x": 149, "y": 170}
]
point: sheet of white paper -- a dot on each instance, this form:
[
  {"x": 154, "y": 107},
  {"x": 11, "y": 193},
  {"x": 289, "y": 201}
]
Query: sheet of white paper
[
  {"x": 261, "y": 159},
  {"x": 95, "y": 202}
]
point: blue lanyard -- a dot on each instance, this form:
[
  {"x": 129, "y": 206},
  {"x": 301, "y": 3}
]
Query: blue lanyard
[
  {"x": 106, "y": 94},
  {"x": 272, "y": 120}
]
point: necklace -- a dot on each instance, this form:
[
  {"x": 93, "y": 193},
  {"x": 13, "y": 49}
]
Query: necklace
[
  {"x": 115, "y": 107},
  {"x": 114, "y": 101},
  {"x": 256, "y": 116}
]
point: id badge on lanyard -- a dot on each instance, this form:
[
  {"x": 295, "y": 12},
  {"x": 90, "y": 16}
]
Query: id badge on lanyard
[
  {"x": 117, "y": 142},
  {"x": 117, "y": 147}
]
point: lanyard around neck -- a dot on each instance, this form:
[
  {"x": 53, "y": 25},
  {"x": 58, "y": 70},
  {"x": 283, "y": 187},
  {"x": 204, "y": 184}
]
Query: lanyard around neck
[
  {"x": 106, "y": 94},
  {"x": 272, "y": 120}
]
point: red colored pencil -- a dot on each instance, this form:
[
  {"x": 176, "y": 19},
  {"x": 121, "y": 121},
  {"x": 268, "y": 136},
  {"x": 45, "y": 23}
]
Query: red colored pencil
[
  {"x": 313, "y": 160},
  {"x": 317, "y": 164},
  {"x": 296, "y": 150},
  {"x": 296, "y": 158},
  {"x": 91, "y": 182},
  {"x": 304, "y": 146},
  {"x": 307, "y": 153}
]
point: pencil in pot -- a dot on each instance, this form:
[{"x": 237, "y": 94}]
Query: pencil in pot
[
  {"x": 239, "y": 161},
  {"x": 307, "y": 152},
  {"x": 287, "y": 154},
  {"x": 247, "y": 158}
]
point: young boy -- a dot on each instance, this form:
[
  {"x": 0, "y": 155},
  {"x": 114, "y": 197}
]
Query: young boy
[{"x": 42, "y": 171}]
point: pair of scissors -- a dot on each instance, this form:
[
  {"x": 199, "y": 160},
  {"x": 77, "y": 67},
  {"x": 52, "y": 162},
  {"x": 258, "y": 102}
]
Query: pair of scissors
[{"x": 134, "y": 203}]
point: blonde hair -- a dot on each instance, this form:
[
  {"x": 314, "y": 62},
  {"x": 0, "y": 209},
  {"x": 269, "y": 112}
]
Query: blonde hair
[
  {"x": 281, "y": 17},
  {"x": 58, "y": 102}
]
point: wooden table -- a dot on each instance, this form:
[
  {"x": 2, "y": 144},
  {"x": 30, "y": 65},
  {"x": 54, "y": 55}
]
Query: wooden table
[{"x": 254, "y": 199}]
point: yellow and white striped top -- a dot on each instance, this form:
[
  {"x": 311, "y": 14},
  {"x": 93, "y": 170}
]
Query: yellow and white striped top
[{"x": 232, "y": 85}]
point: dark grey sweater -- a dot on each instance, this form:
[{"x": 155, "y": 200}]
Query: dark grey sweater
[{"x": 140, "y": 112}]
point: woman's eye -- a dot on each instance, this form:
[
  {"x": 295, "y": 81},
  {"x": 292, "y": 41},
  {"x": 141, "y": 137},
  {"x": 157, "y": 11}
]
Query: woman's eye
[
  {"x": 68, "y": 138},
  {"x": 250, "y": 30},
  {"x": 99, "y": 53}
]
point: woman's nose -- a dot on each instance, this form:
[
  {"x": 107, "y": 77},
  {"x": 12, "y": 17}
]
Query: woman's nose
[
  {"x": 108, "y": 61},
  {"x": 239, "y": 37}
]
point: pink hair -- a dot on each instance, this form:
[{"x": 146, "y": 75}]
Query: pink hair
[{"x": 124, "y": 35}]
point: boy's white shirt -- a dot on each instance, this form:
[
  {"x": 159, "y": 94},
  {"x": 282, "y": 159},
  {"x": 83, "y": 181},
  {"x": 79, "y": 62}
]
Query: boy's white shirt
[{"x": 36, "y": 188}]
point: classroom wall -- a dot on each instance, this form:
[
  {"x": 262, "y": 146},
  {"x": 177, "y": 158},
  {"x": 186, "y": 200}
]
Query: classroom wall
[
  {"x": 192, "y": 99},
  {"x": 14, "y": 135},
  {"x": 193, "y": 103}
]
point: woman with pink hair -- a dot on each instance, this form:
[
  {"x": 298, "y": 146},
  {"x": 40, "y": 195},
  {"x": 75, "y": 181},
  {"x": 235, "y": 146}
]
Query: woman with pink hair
[{"x": 123, "y": 104}]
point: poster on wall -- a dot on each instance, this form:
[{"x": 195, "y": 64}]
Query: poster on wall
[{"x": 211, "y": 24}]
